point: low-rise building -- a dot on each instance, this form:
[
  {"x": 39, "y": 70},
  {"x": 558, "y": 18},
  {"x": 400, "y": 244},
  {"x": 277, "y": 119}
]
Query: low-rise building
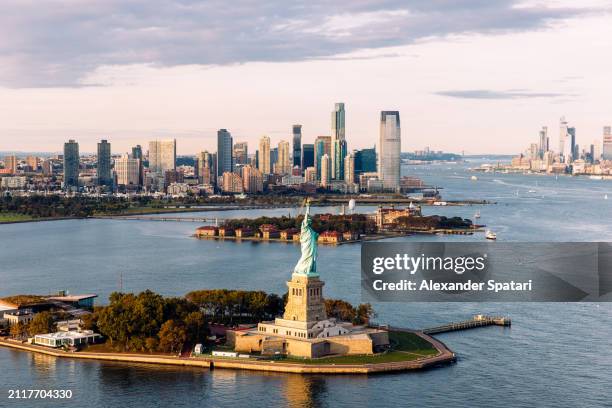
[
  {"x": 207, "y": 231},
  {"x": 226, "y": 232},
  {"x": 269, "y": 231},
  {"x": 244, "y": 232},
  {"x": 67, "y": 338},
  {"x": 14, "y": 317},
  {"x": 289, "y": 234},
  {"x": 330, "y": 237}
]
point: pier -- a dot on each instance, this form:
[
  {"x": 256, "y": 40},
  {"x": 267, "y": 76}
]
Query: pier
[{"x": 477, "y": 321}]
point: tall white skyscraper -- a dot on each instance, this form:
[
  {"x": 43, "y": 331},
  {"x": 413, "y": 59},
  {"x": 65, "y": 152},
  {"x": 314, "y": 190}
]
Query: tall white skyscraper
[
  {"x": 128, "y": 171},
  {"x": 283, "y": 164},
  {"x": 389, "y": 148},
  {"x": 562, "y": 135},
  {"x": 325, "y": 170},
  {"x": 349, "y": 169},
  {"x": 338, "y": 135},
  {"x": 264, "y": 155},
  {"x": 162, "y": 156}
]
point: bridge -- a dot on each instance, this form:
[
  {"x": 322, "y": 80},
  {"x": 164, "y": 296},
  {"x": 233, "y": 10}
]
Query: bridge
[{"x": 216, "y": 220}]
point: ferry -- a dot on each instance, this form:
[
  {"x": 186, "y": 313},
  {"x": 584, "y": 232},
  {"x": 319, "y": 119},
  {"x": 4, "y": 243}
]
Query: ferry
[
  {"x": 473, "y": 178},
  {"x": 491, "y": 235}
]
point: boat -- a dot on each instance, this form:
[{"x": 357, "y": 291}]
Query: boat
[
  {"x": 490, "y": 235},
  {"x": 477, "y": 215},
  {"x": 606, "y": 197},
  {"x": 473, "y": 178},
  {"x": 596, "y": 177}
]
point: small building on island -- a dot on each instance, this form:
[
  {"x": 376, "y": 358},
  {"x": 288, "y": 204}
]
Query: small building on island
[
  {"x": 305, "y": 330},
  {"x": 207, "y": 231},
  {"x": 244, "y": 232},
  {"x": 269, "y": 231}
]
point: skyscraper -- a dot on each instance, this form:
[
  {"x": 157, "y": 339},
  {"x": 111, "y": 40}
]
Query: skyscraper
[
  {"x": 307, "y": 156},
  {"x": 225, "y": 146},
  {"x": 283, "y": 165},
  {"x": 252, "y": 179},
  {"x": 206, "y": 168},
  {"x": 365, "y": 161},
  {"x": 607, "y": 143},
  {"x": 349, "y": 169},
  {"x": 162, "y": 156},
  {"x": 71, "y": 165},
  {"x": 543, "y": 142},
  {"x": 264, "y": 155},
  {"x": 104, "y": 164},
  {"x": 562, "y": 135},
  {"x": 340, "y": 154},
  {"x": 322, "y": 146},
  {"x": 137, "y": 154},
  {"x": 569, "y": 149},
  {"x": 241, "y": 153},
  {"x": 338, "y": 133},
  {"x": 325, "y": 170},
  {"x": 389, "y": 150},
  {"x": 297, "y": 146},
  {"x": 128, "y": 171}
]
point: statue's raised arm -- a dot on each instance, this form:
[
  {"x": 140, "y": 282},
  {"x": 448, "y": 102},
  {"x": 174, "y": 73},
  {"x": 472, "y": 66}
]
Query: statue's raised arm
[{"x": 307, "y": 265}]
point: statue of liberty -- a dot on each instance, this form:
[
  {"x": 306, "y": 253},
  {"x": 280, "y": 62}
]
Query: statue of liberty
[{"x": 307, "y": 265}]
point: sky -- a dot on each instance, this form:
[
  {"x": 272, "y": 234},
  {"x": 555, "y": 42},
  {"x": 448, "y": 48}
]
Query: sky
[{"x": 478, "y": 76}]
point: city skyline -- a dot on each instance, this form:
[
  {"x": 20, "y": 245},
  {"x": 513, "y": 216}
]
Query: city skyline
[{"x": 444, "y": 73}]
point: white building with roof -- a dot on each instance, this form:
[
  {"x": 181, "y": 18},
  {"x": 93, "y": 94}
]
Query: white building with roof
[{"x": 66, "y": 338}]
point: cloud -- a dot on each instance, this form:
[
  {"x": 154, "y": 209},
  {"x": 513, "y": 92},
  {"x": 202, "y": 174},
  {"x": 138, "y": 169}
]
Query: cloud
[
  {"x": 57, "y": 42},
  {"x": 508, "y": 94}
]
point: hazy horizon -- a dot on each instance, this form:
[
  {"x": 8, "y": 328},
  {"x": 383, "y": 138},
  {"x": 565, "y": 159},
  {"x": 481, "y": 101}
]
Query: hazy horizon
[{"x": 473, "y": 76}]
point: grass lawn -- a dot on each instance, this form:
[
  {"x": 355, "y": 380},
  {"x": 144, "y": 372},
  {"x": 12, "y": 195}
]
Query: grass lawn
[
  {"x": 402, "y": 341},
  {"x": 13, "y": 217}
]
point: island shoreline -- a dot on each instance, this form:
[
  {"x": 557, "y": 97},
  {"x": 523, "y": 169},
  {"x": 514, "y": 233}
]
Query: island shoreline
[{"x": 444, "y": 356}]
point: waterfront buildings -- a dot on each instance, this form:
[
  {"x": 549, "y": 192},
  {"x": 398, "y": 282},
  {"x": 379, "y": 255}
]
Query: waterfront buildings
[
  {"x": 322, "y": 147},
  {"x": 137, "y": 154},
  {"x": 10, "y": 163},
  {"x": 263, "y": 159},
  {"x": 607, "y": 143},
  {"x": 340, "y": 154},
  {"x": 325, "y": 170},
  {"x": 128, "y": 171},
  {"x": 32, "y": 163},
  {"x": 543, "y": 145},
  {"x": 71, "y": 165},
  {"x": 562, "y": 135},
  {"x": 307, "y": 156},
  {"x": 349, "y": 169},
  {"x": 241, "y": 153},
  {"x": 224, "y": 152},
  {"x": 310, "y": 175},
  {"x": 206, "y": 167},
  {"x": 252, "y": 179},
  {"x": 338, "y": 129},
  {"x": 162, "y": 156},
  {"x": 297, "y": 146},
  {"x": 104, "y": 164},
  {"x": 389, "y": 150},
  {"x": 365, "y": 161},
  {"x": 231, "y": 182},
  {"x": 283, "y": 165}
]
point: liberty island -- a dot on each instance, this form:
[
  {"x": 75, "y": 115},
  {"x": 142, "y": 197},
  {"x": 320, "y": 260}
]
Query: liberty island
[{"x": 305, "y": 329}]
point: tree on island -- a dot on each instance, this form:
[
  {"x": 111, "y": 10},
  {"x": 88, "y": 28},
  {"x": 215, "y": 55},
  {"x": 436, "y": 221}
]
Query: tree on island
[
  {"x": 42, "y": 323},
  {"x": 172, "y": 336}
]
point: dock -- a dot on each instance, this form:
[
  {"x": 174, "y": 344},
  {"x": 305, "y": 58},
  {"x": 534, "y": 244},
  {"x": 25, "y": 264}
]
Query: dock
[{"x": 476, "y": 321}]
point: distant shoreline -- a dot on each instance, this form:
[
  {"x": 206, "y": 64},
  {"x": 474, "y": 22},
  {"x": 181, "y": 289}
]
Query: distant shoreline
[{"x": 444, "y": 356}]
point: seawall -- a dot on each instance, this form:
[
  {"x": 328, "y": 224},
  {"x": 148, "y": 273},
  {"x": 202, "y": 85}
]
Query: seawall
[{"x": 444, "y": 356}]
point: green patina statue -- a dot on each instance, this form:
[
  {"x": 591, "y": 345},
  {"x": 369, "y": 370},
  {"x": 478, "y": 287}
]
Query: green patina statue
[{"x": 307, "y": 265}]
